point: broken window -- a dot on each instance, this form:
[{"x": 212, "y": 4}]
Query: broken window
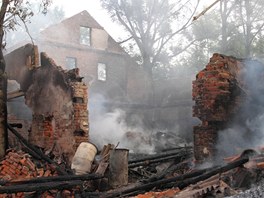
[
  {"x": 101, "y": 72},
  {"x": 85, "y": 36},
  {"x": 71, "y": 63}
]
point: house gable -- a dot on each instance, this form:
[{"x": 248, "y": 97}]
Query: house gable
[{"x": 68, "y": 32}]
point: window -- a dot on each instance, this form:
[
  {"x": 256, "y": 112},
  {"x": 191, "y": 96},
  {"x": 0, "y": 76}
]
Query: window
[
  {"x": 85, "y": 36},
  {"x": 71, "y": 63},
  {"x": 101, "y": 71}
]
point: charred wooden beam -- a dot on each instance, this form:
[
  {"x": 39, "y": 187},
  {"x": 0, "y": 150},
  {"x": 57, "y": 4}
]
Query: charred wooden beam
[
  {"x": 179, "y": 181},
  {"x": 177, "y": 158},
  {"x": 35, "y": 151},
  {"x": 177, "y": 148},
  {"x": 168, "y": 171},
  {"x": 209, "y": 174},
  {"x": 148, "y": 186},
  {"x": 15, "y": 94},
  {"x": 89, "y": 194},
  {"x": 16, "y": 125},
  {"x": 157, "y": 156},
  {"x": 40, "y": 187},
  {"x": 63, "y": 178}
]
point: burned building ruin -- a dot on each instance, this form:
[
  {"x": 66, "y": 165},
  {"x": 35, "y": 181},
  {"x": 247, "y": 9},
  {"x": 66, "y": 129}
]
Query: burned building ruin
[
  {"x": 57, "y": 98},
  {"x": 226, "y": 92}
]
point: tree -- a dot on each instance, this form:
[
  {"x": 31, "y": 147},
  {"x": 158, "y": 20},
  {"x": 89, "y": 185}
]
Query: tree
[
  {"x": 36, "y": 24},
  {"x": 226, "y": 8},
  {"x": 12, "y": 13},
  {"x": 250, "y": 18},
  {"x": 149, "y": 25},
  {"x": 232, "y": 27},
  {"x": 153, "y": 28}
]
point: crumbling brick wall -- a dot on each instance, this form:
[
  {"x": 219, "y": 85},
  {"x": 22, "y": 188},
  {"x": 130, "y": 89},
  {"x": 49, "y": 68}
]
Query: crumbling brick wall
[
  {"x": 58, "y": 100},
  {"x": 218, "y": 92}
]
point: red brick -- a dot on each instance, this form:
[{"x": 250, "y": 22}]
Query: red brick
[
  {"x": 25, "y": 170},
  {"x": 47, "y": 173}
]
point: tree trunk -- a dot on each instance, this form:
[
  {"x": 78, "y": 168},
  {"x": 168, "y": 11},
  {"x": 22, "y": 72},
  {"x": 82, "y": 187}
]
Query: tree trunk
[
  {"x": 3, "y": 108},
  {"x": 151, "y": 94},
  {"x": 3, "y": 85},
  {"x": 223, "y": 10},
  {"x": 248, "y": 30}
]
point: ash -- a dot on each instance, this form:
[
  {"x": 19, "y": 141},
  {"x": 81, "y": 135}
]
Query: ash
[{"x": 257, "y": 191}]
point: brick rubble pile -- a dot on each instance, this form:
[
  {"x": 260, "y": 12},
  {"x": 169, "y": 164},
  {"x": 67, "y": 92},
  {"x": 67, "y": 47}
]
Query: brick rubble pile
[{"x": 19, "y": 166}]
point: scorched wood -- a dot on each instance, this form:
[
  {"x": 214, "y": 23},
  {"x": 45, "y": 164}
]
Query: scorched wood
[
  {"x": 177, "y": 158},
  {"x": 63, "y": 178},
  {"x": 40, "y": 187},
  {"x": 179, "y": 181},
  {"x": 158, "y": 156}
]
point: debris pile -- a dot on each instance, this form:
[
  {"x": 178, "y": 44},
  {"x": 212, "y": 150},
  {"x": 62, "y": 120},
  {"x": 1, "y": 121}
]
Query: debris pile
[
  {"x": 19, "y": 165},
  {"x": 58, "y": 99},
  {"x": 167, "y": 174}
]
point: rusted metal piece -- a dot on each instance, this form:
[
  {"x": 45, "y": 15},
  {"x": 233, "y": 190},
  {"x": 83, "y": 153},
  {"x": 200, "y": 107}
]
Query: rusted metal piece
[{"x": 118, "y": 168}]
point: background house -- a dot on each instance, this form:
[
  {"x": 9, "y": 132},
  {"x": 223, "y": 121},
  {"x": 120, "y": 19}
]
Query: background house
[{"x": 80, "y": 42}]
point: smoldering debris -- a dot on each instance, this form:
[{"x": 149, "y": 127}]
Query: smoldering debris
[{"x": 110, "y": 125}]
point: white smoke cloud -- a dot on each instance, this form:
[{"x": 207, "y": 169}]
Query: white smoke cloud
[
  {"x": 109, "y": 126},
  {"x": 247, "y": 129}
]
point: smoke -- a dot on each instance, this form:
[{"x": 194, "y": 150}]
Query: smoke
[
  {"x": 109, "y": 126},
  {"x": 49, "y": 93},
  {"x": 247, "y": 129}
]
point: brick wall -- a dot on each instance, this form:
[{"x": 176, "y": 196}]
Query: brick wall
[
  {"x": 60, "y": 115},
  {"x": 58, "y": 100},
  {"x": 218, "y": 94}
]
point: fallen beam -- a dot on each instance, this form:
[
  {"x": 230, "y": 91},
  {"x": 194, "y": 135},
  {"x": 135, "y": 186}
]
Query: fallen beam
[
  {"x": 15, "y": 94},
  {"x": 177, "y": 157},
  {"x": 63, "y": 178},
  {"x": 40, "y": 187},
  {"x": 168, "y": 171},
  {"x": 148, "y": 186},
  {"x": 179, "y": 181},
  {"x": 157, "y": 156},
  {"x": 176, "y": 148},
  {"x": 209, "y": 174}
]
